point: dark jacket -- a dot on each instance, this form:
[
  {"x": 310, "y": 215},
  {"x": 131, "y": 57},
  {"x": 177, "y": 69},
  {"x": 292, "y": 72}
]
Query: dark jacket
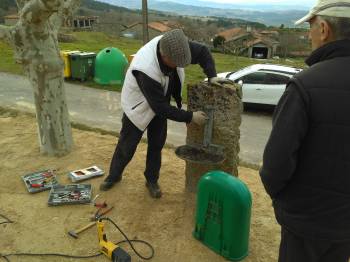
[
  {"x": 153, "y": 91},
  {"x": 306, "y": 163}
]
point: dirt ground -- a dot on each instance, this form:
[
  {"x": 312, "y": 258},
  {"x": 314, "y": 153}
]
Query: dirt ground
[{"x": 166, "y": 223}]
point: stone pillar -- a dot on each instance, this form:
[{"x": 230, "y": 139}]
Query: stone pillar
[{"x": 227, "y": 105}]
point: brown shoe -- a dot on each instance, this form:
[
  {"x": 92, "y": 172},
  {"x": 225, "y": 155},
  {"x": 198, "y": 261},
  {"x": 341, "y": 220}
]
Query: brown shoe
[{"x": 154, "y": 189}]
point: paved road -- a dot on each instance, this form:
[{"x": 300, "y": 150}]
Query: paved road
[{"x": 101, "y": 109}]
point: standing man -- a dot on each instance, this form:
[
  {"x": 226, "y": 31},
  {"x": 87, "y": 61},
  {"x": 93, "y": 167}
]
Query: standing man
[
  {"x": 306, "y": 164},
  {"x": 155, "y": 75}
]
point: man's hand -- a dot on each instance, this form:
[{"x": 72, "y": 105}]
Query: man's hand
[
  {"x": 199, "y": 118},
  {"x": 219, "y": 81}
]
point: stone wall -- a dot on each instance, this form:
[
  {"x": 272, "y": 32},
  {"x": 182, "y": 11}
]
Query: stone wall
[{"x": 227, "y": 105}]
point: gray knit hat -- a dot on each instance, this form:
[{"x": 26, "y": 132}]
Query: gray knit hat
[{"x": 174, "y": 45}]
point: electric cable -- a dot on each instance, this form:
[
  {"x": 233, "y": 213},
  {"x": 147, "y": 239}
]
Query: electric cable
[
  {"x": 8, "y": 221},
  {"x": 130, "y": 241},
  {"x": 127, "y": 240},
  {"x": 7, "y": 260},
  {"x": 5, "y": 256}
]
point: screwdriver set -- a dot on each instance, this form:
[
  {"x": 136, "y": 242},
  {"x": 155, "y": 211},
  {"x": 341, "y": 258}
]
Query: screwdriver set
[
  {"x": 40, "y": 181},
  {"x": 70, "y": 194}
]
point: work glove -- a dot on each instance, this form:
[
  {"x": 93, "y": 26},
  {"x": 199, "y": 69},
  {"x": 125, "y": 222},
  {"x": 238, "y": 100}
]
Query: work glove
[
  {"x": 199, "y": 118},
  {"x": 219, "y": 81}
]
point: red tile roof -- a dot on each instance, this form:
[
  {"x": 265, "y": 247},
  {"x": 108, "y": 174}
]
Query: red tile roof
[
  {"x": 11, "y": 17},
  {"x": 159, "y": 27},
  {"x": 232, "y": 33}
]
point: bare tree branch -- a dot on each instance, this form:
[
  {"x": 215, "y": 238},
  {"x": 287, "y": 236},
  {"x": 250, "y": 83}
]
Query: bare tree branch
[
  {"x": 21, "y": 3},
  {"x": 39, "y": 11},
  {"x": 66, "y": 11}
]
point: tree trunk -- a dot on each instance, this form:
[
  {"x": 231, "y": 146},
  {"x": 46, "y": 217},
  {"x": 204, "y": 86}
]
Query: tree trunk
[
  {"x": 34, "y": 39},
  {"x": 54, "y": 127},
  {"x": 145, "y": 21}
]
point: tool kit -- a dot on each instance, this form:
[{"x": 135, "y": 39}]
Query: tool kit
[
  {"x": 70, "y": 194},
  {"x": 40, "y": 181},
  {"x": 85, "y": 173}
]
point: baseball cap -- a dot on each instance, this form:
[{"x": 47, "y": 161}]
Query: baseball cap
[
  {"x": 331, "y": 8},
  {"x": 174, "y": 44}
]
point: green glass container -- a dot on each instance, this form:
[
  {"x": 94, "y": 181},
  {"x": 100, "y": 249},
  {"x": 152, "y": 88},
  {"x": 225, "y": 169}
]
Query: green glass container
[{"x": 111, "y": 66}]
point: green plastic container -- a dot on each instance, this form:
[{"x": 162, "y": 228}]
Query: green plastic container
[
  {"x": 223, "y": 215},
  {"x": 82, "y": 65},
  {"x": 111, "y": 66}
]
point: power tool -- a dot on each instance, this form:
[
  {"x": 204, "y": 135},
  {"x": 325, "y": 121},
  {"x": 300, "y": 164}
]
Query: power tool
[{"x": 111, "y": 250}]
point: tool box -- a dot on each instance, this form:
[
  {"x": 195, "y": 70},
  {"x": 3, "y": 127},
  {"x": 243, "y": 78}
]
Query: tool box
[
  {"x": 40, "y": 181},
  {"x": 85, "y": 173},
  {"x": 70, "y": 194}
]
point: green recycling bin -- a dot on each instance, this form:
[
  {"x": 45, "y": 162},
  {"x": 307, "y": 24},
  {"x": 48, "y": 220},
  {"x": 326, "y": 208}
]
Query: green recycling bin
[
  {"x": 82, "y": 65},
  {"x": 111, "y": 66},
  {"x": 223, "y": 215}
]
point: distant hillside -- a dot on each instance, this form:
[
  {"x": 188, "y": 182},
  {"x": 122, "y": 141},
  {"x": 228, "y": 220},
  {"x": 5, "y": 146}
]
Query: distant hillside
[
  {"x": 248, "y": 5},
  {"x": 275, "y": 18},
  {"x": 269, "y": 15},
  {"x": 102, "y": 6}
]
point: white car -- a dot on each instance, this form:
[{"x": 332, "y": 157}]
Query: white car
[{"x": 262, "y": 83}]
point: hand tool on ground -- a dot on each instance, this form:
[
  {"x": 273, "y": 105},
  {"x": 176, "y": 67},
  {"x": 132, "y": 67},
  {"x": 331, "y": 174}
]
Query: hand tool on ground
[
  {"x": 94, "y": 200},
  {"x": 98, "y": 214},
  {"x": 101, "y": 205},
  {"x": 36, "y": 185},
  {"x": 75, "y": 233},
  {"x": 111, "y": 250}
]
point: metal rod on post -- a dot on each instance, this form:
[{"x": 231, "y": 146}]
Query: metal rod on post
[
  {"x": 208, "y": 128},
  {"x": 145, "y": 21}
]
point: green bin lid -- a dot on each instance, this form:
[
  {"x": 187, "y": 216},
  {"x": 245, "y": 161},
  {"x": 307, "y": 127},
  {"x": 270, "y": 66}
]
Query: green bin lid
[{"x": 223, "y": 215}]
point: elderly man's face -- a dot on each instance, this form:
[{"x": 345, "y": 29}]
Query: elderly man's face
[
  {"x": 315, "y": 33},
  {"x": 168, "y": 62},
  {"x": 320, "y": 32}
]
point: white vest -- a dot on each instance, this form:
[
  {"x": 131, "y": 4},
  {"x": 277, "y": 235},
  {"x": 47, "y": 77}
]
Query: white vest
[{"x": 133, "y": 102}]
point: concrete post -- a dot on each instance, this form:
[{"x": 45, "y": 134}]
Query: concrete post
[{"x": 227, "y": 105}]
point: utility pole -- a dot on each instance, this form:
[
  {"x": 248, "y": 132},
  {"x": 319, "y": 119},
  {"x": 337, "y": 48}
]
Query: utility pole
[{"x": 145, "y": 21}]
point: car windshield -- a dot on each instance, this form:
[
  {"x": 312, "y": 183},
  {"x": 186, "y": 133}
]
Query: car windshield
[
  {"x": 229, "y": 74},
  {"x": 244, "y": 69}
]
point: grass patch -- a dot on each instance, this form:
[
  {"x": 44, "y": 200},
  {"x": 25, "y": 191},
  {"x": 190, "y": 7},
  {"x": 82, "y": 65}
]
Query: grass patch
[
  {"x": 7, "y": 62},
  {"x": 95, "y": 42}
]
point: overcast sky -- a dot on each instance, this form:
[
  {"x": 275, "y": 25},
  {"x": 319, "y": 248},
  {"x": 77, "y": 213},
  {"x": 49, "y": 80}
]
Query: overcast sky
[{"x": 279, "y": 2}]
